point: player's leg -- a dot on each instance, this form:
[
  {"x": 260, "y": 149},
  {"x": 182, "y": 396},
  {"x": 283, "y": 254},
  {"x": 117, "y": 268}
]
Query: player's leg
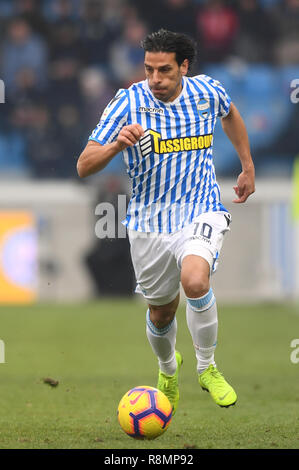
[
  {"x": 158, "y": 279},
  {"x": 197, "y": 262},
  {"x": 201, "y": 309},
  {"x": 161, "y": 329}
]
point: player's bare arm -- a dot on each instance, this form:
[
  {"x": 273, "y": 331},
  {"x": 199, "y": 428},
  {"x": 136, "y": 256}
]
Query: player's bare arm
[
  {"x": 96, "y": 156},
  {"x": 234, "y": 127}
]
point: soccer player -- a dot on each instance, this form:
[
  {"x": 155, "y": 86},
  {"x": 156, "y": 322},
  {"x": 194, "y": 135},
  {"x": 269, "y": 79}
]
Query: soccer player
[{"x": 175, "y": 219}]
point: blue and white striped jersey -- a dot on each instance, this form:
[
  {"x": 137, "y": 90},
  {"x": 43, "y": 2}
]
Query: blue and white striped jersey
[{"x": 171, "y": 167}]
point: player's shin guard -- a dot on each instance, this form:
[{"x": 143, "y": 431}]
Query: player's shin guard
[
  {"x": 202, "y": 321},
  {"x": 162, "y": 341}
]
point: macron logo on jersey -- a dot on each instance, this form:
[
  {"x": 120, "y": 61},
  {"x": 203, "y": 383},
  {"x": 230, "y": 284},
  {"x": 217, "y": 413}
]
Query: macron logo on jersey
[
  {"x": 152, "y": 142},
  {"x": 145, "y": 109}
]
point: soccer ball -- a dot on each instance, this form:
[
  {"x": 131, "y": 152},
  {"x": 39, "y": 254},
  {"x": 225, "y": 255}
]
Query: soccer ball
[{"x": 144, "y": 412}]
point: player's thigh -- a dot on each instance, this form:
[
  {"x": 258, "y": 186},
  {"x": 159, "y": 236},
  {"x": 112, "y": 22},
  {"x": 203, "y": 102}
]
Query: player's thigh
[
  {"x": 204, "y": 238},
  {"x": 156, "y": 270}
]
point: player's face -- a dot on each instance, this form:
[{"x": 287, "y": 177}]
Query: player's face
[{"x": 164, "y": 75}]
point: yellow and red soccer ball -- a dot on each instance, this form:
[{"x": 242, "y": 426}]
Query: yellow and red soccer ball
[{"x": 144, "y": 412}]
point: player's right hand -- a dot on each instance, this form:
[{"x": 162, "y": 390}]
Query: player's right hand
[
  {"x": 245, "y": 186},
  {"x": 129, "y": 135}
]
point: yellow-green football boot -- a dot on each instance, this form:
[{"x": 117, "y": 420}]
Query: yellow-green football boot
[
  {"x": 213, "y": 381},
  {"x": 169, "y": 384}
]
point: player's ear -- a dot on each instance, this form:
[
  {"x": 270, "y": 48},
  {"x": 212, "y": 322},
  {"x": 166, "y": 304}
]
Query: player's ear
[{"x": 184, "y": 67}]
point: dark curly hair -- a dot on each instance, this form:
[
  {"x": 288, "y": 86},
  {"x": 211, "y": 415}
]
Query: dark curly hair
[{"x": 168, "y": 41}]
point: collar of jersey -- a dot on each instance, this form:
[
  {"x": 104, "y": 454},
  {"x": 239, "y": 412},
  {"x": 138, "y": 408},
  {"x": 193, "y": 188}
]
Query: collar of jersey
[{"x": 168, "y": 103}]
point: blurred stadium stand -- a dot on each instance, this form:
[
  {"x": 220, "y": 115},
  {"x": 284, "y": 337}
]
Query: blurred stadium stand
[
  {"x": 262, "y": 95},
  {"x": 62, "y": 60}
]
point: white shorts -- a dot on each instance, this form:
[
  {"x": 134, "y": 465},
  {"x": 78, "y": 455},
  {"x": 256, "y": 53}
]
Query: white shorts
[{"x": 157, "y": 257}]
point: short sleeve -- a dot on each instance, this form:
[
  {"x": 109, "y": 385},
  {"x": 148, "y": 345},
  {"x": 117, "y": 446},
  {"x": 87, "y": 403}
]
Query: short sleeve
[
  {"x": 114, "y": 117},
  {"x": 224, "y": 101}
]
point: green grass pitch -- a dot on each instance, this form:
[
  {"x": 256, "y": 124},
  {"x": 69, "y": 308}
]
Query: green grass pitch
[{"x": 97, "y": 351}]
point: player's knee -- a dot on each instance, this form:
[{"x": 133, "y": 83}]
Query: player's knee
[
  {"x": 161, "y": 317},
  {"x": 196, "y": 286}
]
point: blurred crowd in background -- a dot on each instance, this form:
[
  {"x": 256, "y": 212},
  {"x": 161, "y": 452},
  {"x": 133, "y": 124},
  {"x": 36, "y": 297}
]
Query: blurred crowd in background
[{"x": 63, "y": 60}]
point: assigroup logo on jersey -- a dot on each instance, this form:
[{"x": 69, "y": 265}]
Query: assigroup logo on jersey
[{"x": 152, "y": 142}]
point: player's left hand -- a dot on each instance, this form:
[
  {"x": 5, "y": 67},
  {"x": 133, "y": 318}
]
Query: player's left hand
[{"x": 245, "y": 186}]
